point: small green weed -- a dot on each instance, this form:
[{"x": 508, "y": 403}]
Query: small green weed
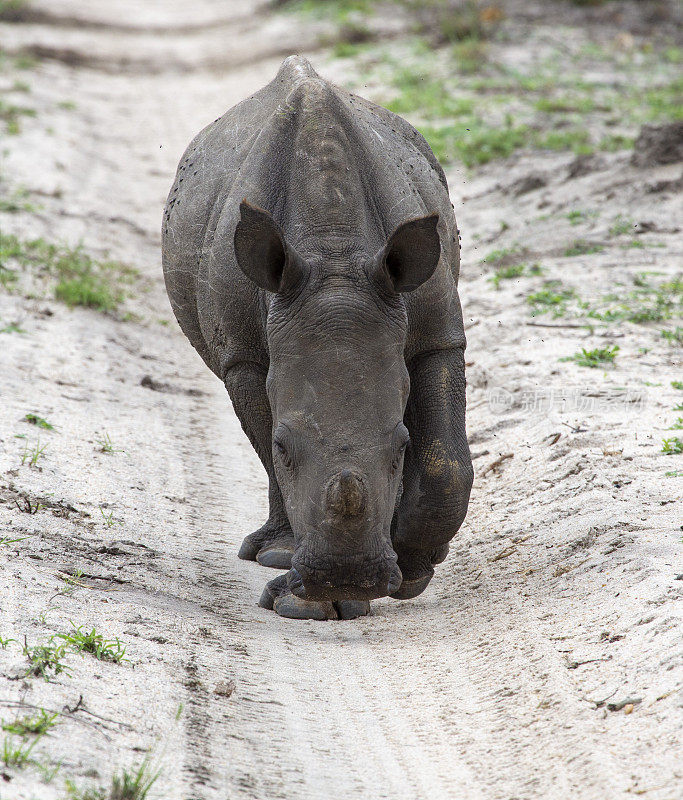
[
  {"x": 506, "y": 273},
  {"x": 577, "y": 140},
  {"x": 7, "y": 541},
  {"x": 17, "y": 755},
  {"x": 5, "y": 642},
  {"x": 552, "y": 105},
  {"x": 33, "y": 454},
  {"x": 45, "y": 659},
  {"x": 678, "y": 425},
  {"x": 12, "y": 327},
  {"x": 94, "y": 643},
  {"x": 577, "y": 216},
  {"x": 125, "y": 785},
  {"x": 29, "y": 506},
  {"x": 72, "y": 581},
  {"x": 620, "y": 226},
  {"x": 109, "y": 520},
  {"x": 672, "y": 446},
  {"x": 515, "y": 271},
  {"x": 503, "y": 255},
  {"x": 16, "y": 202},
  {"x": 677, "y": 385},
  {"x": 8, "y": 8},
  {"x": 675, "y": 336},
  {"x": 36, "y": 725},
  {"x": 614, "y": 142},
  {"x": 74, "y": 793},
  {"x": 11, "y": 115},
  {"x": 106, "y": 445},
  {"x": 580, "y": 247},
  {"x": 594, "y": 358},
  {"x": 134, "y": 785},
  {"x": 675, "y": 473},
  {"x": 553, "y": 297},
  {"x": 39, "y": 422}
]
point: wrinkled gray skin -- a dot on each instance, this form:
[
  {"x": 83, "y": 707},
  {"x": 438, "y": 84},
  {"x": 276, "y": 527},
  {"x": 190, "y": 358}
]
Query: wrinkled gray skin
[{"x": 311, "y": 257}]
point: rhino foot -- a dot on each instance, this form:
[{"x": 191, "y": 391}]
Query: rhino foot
[
  {"x": 277, "y": 597},
  {"x": 417, "y": 568},
  {"x": 271, "y": 545}
]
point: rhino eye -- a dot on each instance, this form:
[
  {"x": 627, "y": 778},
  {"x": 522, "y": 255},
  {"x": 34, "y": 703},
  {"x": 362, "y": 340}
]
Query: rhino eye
[
  {"x": 282, "y": 453},
  {"x": 401, "y": 442}
]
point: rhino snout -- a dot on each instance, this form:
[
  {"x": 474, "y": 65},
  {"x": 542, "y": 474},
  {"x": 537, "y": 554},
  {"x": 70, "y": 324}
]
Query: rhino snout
[
  {"x": 377, "y": 579},
  {"x": 346, "y": 494}
]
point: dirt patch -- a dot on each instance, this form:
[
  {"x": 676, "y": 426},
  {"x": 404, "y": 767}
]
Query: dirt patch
[{"x": 544, "y": 659}]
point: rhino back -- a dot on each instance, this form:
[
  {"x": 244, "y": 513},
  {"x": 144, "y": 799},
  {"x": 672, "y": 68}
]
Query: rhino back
[{"x": 291, "y": 148}]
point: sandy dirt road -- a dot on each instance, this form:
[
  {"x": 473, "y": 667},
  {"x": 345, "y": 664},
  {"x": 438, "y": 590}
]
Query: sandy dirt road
[{"x": 558, "y": 607}]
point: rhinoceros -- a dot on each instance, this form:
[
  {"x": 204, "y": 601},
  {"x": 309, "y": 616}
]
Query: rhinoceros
[{"x": 311, "y": 256}]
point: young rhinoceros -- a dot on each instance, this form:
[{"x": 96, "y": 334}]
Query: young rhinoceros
[{"x": 311, "y": 257}]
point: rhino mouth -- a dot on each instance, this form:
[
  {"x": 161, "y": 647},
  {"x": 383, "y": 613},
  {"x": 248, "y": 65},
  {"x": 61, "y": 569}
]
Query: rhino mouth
[{"x": 376, "y": 579}]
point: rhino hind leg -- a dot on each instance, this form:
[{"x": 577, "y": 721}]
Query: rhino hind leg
[
  {"x": 437, "y": 471},
  {"x": 272, "y": 545},
  {"x": 277, "y": 597}
]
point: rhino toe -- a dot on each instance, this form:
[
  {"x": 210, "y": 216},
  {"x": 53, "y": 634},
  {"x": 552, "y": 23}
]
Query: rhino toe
[
  {"x": 411, "y": 588},
  {"x": 278, "y": 597},
  {"x": 270, "y": 545},
  {"x": 278, "y": 556}
]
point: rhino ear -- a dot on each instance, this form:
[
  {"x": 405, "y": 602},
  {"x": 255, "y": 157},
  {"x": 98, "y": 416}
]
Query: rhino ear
[
  {"x": 262, "y": 252},
  {"x": 410, "y": 255}
]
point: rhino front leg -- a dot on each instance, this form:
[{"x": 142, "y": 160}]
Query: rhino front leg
[
  {"x": 272, "y": 545},
  {"x": 437, "y": 470}
]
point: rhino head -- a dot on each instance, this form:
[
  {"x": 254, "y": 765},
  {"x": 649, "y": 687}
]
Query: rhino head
[{"x": 338, "y": 387}]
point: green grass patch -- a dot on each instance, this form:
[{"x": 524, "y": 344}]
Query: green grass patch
[
  {"x": 45, "y": 660},
  {"x": 475, "y": 142},
  {"x": 613, "y": 142},
  {"x": 11, "y": 115},
  {"x": 600, "y": 356},
  {"x": 125, "y": 785},
  {"x": 79, "y": 279},
  {"x": 581, "y": 247},
  {"x": 621, "y": 226},
  {"x": 17, "y": 754},
  {"x": 578, "y": 216},
  {"x": 9, "y": 8},
  {"x": 576, "y": 139},
  {"x": 553, "y": 297},
  {"x": 551, "y": 105},
  {"x": 94, "y": 643},
  {"x": 34, "y": 725},
  {"x": 648, "y": 302},
  {"x": 503, "y": 255},
  {"x": 16, "y": 201},
  {"x": 12, "y": 327},
  {"x": 515, "y": 271}
]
